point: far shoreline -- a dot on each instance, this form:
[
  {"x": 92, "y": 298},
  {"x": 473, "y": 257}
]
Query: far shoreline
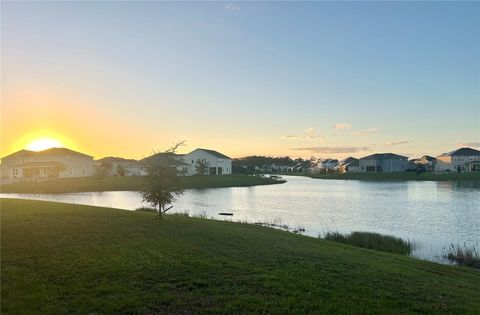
[{"x": 397, "y": 176}]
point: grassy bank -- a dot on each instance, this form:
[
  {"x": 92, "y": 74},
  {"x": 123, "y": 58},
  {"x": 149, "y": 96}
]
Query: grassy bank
[
  {"x": 427, "y": 176},
  {"x": 130, "y": 183},
  {"x": 72, "y": 259}
]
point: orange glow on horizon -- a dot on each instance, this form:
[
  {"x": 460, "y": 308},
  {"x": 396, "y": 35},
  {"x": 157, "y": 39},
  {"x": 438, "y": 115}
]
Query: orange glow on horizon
[
  {"x": 42, "y": 140},
  {"x": 43, "y": 144}
]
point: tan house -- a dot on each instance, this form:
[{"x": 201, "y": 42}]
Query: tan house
[
  {"x": 463, "y": 159},
  {"x": 32, "y": 166}
]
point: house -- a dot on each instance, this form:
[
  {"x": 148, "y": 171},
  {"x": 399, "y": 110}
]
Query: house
[
  {"x": 383, "y": 162},
  {"x": 117, "y": 166},
  {"x": 218, "y": 163},
  {"x": 463, "y": 159},
  {"x": 328, "y": 165},
  {"x": 348, "y": 165},
  {"x": 32, "y": 166},
  {"x": 174, "y": 160},
  {"x": 428, "y": 163}
]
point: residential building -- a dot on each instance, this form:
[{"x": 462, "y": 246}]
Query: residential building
[
  {"x": 32, "y": 166},
  {"x": 218, "y": 163},
  {"x": 117, "y": 166},
  {"x": 463, "y": 159},
  {"x": 428, "y": 163},
  {"x": 174, "y": 160},
  {"x": 348, "y": 165},
  {"x": 383, "y": 162},
  {"x": 328, "y": 165}
]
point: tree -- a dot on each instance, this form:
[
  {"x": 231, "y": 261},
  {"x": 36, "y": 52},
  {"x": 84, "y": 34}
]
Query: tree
[
  {"x": 201, "y": 167},
  {"x": 162, "y": 184},
  {"x": 120, "y": 170}
]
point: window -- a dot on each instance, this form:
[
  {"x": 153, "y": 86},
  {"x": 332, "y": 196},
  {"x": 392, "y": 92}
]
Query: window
[
  {"x": 15, "y": 171},
  {"x": 45, "y": 171},
  {"x": 83, "y": 171}
]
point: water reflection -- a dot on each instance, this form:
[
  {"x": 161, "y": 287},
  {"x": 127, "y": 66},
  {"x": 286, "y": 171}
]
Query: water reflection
[{"x": 435, "y": 214}]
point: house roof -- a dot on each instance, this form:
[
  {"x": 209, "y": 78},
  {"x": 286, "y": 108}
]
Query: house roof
[
  {"x": 348, "y": 160},
  {"x": 213, "y": 152},
  {"x": 171, "y": 158},
  {"x": 428, "y": 158},
  {"x": 51, "y": 151},
  {"x": 379, "y": 156},
  {"x": 462, "y": 152}
]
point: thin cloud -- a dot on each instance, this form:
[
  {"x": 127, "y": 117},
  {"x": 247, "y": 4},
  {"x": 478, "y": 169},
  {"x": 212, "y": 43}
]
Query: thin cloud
[
  {"x": 365, "y": 132},
  {"x": 309, "y": 134},
  {"x": 342, "y": 126},
  {"x": 393, "y": 143},
  {"x": 333, "y": 150},
  {"x": 468, "y": 144},
  {"x": 232, "y": 7}
]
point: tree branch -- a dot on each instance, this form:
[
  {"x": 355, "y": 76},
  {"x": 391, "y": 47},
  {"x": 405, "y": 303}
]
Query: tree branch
[{"x": 167, "y": 209}]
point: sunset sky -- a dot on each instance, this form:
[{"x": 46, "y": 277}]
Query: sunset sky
[{"x": 330, "y": 79}]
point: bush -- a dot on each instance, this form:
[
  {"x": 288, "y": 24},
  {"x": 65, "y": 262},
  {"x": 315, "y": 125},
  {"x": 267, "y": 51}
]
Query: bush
[
  {"x": 376, "y": 241},
  {"x": 465, "y": 256}
]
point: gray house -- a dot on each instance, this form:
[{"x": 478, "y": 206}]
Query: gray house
[{"x": 383, "y": 162}]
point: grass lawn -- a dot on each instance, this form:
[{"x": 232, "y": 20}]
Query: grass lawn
[
  {"x": 131, "y": 183},
  {"x": 72, "y": 259},
  {"x": 427, "y": 176}
]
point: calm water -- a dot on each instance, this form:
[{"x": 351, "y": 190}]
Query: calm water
[{"x": 434, "y": 214}]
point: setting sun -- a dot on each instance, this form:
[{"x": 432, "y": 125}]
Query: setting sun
[{"x": 44, "y": 143}]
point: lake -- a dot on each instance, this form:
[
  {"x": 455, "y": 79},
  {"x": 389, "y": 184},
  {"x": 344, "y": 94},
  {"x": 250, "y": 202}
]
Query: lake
[{"x": 433, "y": 214}]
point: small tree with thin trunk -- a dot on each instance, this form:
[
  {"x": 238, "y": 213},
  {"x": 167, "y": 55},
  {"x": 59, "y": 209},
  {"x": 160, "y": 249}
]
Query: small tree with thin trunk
[
  {"x": 201, "y": 167},
  {"x": 162, "y": 183}
]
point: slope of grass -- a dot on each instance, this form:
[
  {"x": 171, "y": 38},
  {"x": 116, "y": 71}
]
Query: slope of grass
[
  {"x": 130, "y": 183},
  {"x": 427, "y": 176},
  {"x": 72, "y": 259}
]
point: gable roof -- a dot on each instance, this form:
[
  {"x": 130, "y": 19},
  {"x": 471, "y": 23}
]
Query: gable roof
[
  {"x": 462, "y": 152},
  {"x": 428, "y": 158},
  {"x": 348, "y": 161},
  {"x": 384, "y": 156},
  {"x": 51, "y": 151},
  {"x": 214, "y": 153},
  {"x": 170, "y": 158}
]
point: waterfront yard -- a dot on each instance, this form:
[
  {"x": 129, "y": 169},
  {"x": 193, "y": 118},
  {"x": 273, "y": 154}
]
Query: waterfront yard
[{"x": 73, "y": 259}]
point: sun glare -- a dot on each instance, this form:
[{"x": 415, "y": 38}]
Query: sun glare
[{"x": 43, "y": 143}]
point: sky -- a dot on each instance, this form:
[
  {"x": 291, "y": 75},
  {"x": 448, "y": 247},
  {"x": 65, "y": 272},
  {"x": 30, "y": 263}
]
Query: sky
[{"x": 323, "y": 79}]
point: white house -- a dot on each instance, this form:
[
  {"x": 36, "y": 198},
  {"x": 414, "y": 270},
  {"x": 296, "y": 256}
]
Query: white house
[
  {"x": 117, "y": 166},
  {"x": 31, "y": 166},
  {"x": 463, "y": 159},
  {"x": 328, "y": 165},
  {"x": 174, "y": 160},
  {"x": 218, "y": 163},
  {"x": 348, "y": 165},
  {"x": 383, "y": 162}
]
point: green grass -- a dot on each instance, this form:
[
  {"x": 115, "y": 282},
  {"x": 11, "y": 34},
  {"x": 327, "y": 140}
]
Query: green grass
[
  {"x": 72, "y": 259},
  {"x": 130, "y": 183},
  {"x": 376, "y": 241},
  {"x": 427, "y": 176}
]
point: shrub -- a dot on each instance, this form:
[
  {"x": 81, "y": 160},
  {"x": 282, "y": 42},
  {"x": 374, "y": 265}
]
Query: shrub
[{"x": 464, "y": 255}]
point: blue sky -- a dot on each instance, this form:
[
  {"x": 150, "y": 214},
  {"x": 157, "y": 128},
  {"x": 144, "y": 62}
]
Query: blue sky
[{"x": 244, "y": 77}]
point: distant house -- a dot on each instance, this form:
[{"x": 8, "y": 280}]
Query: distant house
[
  {"x": 463, "y": 159},
  {"x": 348, "y": 165},
  {"x": 328, "y": 165},
  {"x": 383, "y": 162},
  {"x": 32, "y": 166},
  {"x": 428, "y": 163},
  {"x": 117, "y": 166},
  {"x": 174, "y": 160},
  {"x": 218, "y": 163}
]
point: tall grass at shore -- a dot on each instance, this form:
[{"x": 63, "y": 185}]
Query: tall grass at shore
[
  {"x": 371, "y": 240},
  {"x": 464, "y": 255}
]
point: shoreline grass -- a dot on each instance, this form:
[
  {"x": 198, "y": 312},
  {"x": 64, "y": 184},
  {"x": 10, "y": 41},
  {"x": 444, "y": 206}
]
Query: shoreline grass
[
  {"x": 131, "y": 183},
  {"x": 371, "y": 240},
  {"x": 64, "y": 258}
]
